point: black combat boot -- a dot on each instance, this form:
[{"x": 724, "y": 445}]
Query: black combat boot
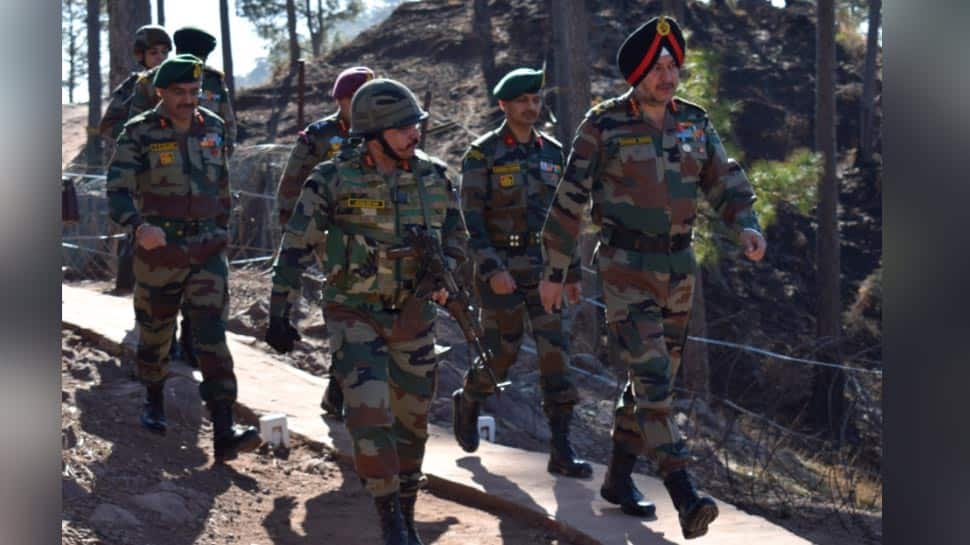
[
  {"x": 227, "y": 439},
  {"x": 333, "y": 399},
  {"x": 407, "y": 509},
  {"x": 619, "y": 489},
  {"x": 562, "y": 457},
  {"x": 153, "y": 414},
  {"x": 393, "y": 530},
  {"x": 464, "y": 418},
  {"x": 695, "y": 512}
]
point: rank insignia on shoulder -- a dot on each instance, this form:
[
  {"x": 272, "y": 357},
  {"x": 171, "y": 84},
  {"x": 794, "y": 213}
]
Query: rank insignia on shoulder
[
  {"x": 475, "y": 154},
  {"x": 166, "y": 158},
  {"x": 506, "y": 180}
]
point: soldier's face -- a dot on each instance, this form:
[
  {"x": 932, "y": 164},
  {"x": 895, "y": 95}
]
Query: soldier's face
[
  {"x": 403, "y": 140},
  {"x": 522, "y": 110},
  {"x": 180, "y": 100},
  {"x": 154, "y": 55},
  {"x": 660, "y": 83}
]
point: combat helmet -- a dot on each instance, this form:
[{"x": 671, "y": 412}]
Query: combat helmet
[
  {"x": 383, "y": 104},
  {"x": 148, "y": 36}
]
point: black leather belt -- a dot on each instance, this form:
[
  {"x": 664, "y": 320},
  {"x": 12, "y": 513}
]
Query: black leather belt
[
  {"x": 646, "y": 243},
  {"x": 183, "y": 228}
]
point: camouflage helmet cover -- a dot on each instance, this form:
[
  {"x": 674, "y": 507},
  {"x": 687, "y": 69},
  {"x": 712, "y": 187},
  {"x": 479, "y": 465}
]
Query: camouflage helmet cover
[
  {"x": 383, "y": 104},
  {"x": 148, "y": 36}
]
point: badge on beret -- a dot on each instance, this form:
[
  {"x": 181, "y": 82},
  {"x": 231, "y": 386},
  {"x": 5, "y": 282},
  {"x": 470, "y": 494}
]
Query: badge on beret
[
  {"x": 197, "y": 71},
  {"x": 663, "y": 27}
]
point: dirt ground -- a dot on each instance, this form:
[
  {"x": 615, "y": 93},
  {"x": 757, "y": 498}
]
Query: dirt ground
[{"x": 123, "y": 485}]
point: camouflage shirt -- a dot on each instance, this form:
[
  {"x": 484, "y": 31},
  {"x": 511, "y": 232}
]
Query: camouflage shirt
[
  {"x": 506, "y": 188},
  {"x": 213, "y": 95},
  {"x": 116, "y": 113},
  {"x": 644, "y": 180},
  {"x": 320, "y": 141},
  {"x": 152, "y": 175},
  {"x": 347, "y": 217}
]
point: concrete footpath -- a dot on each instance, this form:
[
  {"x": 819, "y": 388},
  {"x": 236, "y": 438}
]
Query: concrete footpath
[{"x": 496, "y": 477}]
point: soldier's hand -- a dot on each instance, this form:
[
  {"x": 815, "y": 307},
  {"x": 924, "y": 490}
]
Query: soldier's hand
[
  {"x": 574, "y": 291},
  {"x": 754, "y": 244},
  {"x": 281, "y": 335},
  {"x": 551, "y": 295},
  {"x": 440, "y": 296},
  {"x": 502, "y": 283},
  {"x": 149, "y": 236}
]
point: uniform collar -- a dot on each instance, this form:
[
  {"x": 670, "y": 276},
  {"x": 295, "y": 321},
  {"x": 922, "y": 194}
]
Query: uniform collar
[
  {"x": 505, "y": 133},
  {"x": 633, "y": 109},
  {"x": 165, "y": 121}
]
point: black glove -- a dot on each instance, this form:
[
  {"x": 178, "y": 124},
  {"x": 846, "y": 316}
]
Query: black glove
[{"x": 281, "y": 335}]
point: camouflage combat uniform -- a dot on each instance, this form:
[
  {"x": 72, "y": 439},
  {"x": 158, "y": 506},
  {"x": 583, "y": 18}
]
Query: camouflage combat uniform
[
  {"x": 381, "y": 338},
  {"x": 644, "y": 183},
  {"x": 506, "y": 188},
  {"x": 116, "y": 114},
  {"x": 180, "y": 184},
  {"x": 318, "y": 142},
  {"x": 213, "y": 95}
]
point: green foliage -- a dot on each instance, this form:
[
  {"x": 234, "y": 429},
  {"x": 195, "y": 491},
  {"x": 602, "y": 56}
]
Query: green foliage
[
  {"x": 699, "y": 82},
  {"x": 794, "y": 180}
]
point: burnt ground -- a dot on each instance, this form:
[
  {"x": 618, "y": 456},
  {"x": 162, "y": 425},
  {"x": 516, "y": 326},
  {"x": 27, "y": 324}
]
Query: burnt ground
[{"x": 123, "y": 485}]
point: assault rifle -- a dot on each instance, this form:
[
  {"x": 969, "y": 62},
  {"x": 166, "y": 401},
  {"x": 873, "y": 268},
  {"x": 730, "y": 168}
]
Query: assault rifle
[{"x": 435, "y": 275}]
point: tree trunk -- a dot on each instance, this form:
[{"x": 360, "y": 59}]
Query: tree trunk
[
  {"x": 570, "y": 34},
  {"x": 829, "y": 384},
  {"x": 227, "y": 49},
  {"x": 94, "y": 81},
  {"x": 315, "y": 31},
  {"x": 125, "y": 16},
  {"x": 160, "y": 4},
  {"x": 318, "y": 39},
  {"x": 482, "y": 25},
  {"x": 72, "y": 56},
  {"x": 291, "y": 29},
  {"x": 867, "y": 113}
]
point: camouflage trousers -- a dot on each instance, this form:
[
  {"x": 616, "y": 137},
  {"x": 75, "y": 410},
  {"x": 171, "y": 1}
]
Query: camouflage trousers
[
  {"x": 385, "y": 364},
  {"x": 647, "y": 314},
  {"x": 503, "y": 319},
  {"x": 192, "y": 275}
]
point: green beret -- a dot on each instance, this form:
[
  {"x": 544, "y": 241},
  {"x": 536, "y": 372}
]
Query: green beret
[
  {"x": 518, "y": 82},
  {"x": 178, "y": 69},
  {"x": 194, "y": 41}
]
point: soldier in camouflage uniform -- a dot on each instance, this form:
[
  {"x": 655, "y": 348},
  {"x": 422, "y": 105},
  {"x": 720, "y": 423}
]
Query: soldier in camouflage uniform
[
  {"x": 381, "y": 337},
  {"x": 151, "y": 47},
  {"x": 508, "y": 178},
  {"x": 169, "y": 181},
  {"x": 644, "y": 158},
  {"x": 318, "y": 142},
  {"x": 214, "y": 95}
]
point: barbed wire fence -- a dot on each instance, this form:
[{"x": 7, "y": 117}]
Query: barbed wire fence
[{"x": 89, "y": 246}]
